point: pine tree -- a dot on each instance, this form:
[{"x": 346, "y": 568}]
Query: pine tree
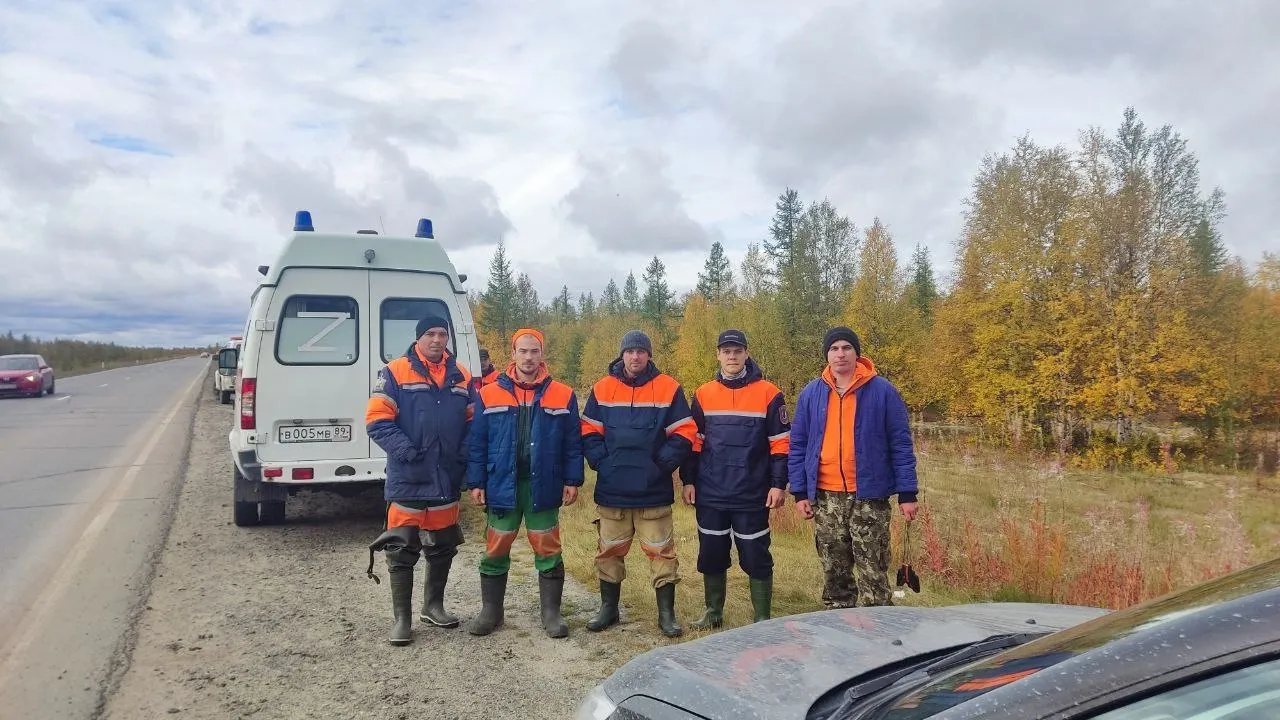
[
  {"x": 755, "y": 272},
  {"x": 611, "y": 301},
  {"x": 1208, "y": 253},
  {"x": 528, "y": 310},
  {"x": 923, "y": 288},
  {"x": 657, "y": 303},
  {"x": 631, "y": 295},
  {"x": 586, "y": 306},
  {"x": 562, "y": 306},
  {"x": 500, "y": 297},
  {"x": 783, "y": 230},
  {"x": 715, "y": 282}
]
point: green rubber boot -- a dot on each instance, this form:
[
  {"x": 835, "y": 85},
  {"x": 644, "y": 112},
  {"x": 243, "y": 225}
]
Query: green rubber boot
[
  {"x": 608, "y": 615},
  {"x": 493, "y": 591},
  {"x": 401, "y": 605},
  {"x": 666, "y": 596},
  {"x": 761, "y": 598},
  {"x": 714, "y": 589}
]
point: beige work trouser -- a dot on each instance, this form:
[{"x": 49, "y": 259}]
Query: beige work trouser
[{"x": 617, "y": 527}]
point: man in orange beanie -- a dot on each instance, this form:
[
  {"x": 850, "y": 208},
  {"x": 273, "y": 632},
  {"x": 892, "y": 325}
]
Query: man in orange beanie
[{"x": 525, "y": 452}]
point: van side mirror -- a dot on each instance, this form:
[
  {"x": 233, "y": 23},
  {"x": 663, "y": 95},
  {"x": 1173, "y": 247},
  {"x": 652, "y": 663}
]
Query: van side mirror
[{"x": 227, "y": 358}]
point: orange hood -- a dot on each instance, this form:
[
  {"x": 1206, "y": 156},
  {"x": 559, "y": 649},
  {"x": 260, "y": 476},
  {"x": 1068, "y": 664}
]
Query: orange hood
[{"x": 863, "y": 371}]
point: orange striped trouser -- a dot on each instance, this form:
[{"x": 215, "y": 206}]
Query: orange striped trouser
[
  {"x": 421, "y": 514},
  {"x": 617, "y": 528}
]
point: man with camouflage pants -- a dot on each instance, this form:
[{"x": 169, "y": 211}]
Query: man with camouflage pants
[{"x": 851, "y": 449}]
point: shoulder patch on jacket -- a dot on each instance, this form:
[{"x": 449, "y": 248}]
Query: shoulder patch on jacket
[{"x": 783, "y": 415}]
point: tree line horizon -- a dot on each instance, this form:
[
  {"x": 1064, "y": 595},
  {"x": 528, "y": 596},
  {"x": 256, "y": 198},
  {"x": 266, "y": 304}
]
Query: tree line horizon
[{"x": 1093, "y": 302}]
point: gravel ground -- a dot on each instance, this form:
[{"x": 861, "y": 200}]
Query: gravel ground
[{"x": 281, "y": 622}]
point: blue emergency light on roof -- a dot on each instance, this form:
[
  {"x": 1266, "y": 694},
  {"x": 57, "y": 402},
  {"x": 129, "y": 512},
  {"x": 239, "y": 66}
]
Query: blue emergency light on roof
[
  {"x": 424, "y": 229},
  {"x": 302, "y": 222}
]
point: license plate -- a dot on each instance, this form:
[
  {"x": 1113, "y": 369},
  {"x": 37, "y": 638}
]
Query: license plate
[
  {"x": 8, "y": 386},
  {"x": 315, "y": 433}
]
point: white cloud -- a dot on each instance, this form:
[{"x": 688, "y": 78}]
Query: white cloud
[{"x": 152, "y": 153}]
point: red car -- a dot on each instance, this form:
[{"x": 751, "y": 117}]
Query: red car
[{"x": 25, "y": 375}]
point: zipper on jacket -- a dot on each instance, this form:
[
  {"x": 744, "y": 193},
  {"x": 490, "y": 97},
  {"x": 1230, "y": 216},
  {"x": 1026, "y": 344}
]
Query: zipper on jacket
[{"x": 843, "y": 478}]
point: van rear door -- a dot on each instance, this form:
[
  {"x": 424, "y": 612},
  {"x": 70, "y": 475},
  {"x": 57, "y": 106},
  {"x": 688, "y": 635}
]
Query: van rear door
[
  {"x": 397, "y": 300},
  {"x": 313, "y": 381}
]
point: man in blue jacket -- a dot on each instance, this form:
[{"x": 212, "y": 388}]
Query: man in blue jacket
[
  {"x": 525, "y": 463},
  {"x": 851, "y": 449},
  {"x": 419, "y": 413}
]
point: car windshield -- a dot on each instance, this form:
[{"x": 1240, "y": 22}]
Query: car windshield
[
  {"x": 953, "y": 688},
  {"x": 18, "y": 363}
]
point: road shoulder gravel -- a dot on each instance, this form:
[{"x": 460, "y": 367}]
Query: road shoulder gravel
[{"x": 281, "y": 621}]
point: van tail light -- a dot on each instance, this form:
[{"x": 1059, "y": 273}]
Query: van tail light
[
  {"x": 304, "y": 473},
  {"x": 248, "y": 392}
]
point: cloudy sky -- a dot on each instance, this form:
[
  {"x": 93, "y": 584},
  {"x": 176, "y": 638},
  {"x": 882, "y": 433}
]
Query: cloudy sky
[{"x": 152, "y": 153}]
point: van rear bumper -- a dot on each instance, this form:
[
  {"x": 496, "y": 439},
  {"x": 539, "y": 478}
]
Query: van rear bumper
[{"x": 323, "y": 472}]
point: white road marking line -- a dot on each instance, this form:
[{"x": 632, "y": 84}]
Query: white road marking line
[
  {"x": 66, "y": 574},
  {"x": 103, "y": 385},
  {"x": 63, "y": 397}
]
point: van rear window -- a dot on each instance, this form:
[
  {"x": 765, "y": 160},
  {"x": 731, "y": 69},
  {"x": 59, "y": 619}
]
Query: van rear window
[
  {"x": 400, "y": 318},
  {"x": 319, "y": 330}
]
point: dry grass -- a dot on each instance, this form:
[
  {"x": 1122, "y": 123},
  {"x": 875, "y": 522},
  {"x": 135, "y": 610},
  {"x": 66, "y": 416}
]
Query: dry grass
[{"x": 997, "y": 526}]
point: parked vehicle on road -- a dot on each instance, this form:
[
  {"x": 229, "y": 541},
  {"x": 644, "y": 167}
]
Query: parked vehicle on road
[
  {"x": 26, "y": 375},
  {"x": 1209, "y": 651},
  {"x": 224, "y": 379},
  {"x": 328, "y": 314}
]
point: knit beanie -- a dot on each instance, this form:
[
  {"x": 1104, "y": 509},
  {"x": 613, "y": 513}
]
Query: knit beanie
[
  {"x": 428, "y": 322},
  {"x": 836, "y": 334},
  {"x": 531, "y": 333},
  {"x": 636, "y": 339}
]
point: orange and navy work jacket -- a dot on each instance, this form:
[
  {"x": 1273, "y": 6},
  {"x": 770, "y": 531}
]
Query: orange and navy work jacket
[
  {"x": 419, "y": 413},
  {"x": 635, "y": 433},
  {"x": 487, "y": 377},
  {"x": 539, "y": 420},
  {"x": 744, "y": 435}
]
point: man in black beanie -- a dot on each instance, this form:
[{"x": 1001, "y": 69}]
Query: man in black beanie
[
  {"x": 851, "y": 449},
  {"x": 420, "y": 413},
  {"x": 649, "y": 428}
]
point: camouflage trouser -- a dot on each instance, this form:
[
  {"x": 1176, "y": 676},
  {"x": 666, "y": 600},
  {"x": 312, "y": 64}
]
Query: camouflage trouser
[{"x": 852, "y": 537}]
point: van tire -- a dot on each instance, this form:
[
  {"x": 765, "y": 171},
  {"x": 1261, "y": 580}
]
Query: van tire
[
  {"x": 246, "y": 513},
  {"x": 226, "y": 397},
  {"x": 272, "y": 513}
]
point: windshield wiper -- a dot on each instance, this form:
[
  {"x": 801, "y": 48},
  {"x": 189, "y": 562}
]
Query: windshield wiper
[
  {"x": 998, "y": 642},
  {"x": 854, "y": 696}
]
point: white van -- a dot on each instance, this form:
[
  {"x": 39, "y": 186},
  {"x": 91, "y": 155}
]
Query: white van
[
  {"x": 224, "y": 378},
  {"x": 328, "y": 315}
]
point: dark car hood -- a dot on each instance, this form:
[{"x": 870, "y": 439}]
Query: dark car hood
[{"x": 778, "y": 668}]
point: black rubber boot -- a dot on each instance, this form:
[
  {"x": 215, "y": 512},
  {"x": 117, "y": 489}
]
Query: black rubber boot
[
  {"x": 401, "y": 605},
  {"x": 761, "y": 598},
  {"x": 433, "y": 604},
  {"x": 667, "y": 611},
  {"x": 714, "y": 589},
  {"x": 493, "y": 591},
  {"x": 550, "y": 592},
  {"x": 608, "y": 615}
]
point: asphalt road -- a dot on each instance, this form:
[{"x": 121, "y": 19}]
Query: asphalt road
[{"x": 88, "y": 482}]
